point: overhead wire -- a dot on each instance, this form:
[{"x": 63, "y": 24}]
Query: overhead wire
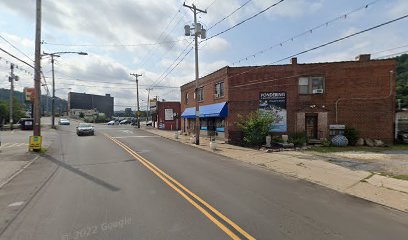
[{"x": 229, "y": 15}]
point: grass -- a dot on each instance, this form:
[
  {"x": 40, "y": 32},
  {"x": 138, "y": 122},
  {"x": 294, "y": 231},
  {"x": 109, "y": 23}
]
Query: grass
[
  {"x": 397, "y": 176},
  {"x": 332, "y": 149}
]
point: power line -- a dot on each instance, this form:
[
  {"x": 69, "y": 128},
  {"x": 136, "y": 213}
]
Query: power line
[
  {"x": 16, "y": 48},
  {"x": 243, "y": 21},
  {"x": 210, "y": 5},
  {"x": 309, "y": 31},
  {"x": 111, "y": 44},
  {"x": 387, "y": 50},
  {"x": 229, "y": 15},
  {"x": 392, "y": 55},
  {"x": 327, "y": 43}
]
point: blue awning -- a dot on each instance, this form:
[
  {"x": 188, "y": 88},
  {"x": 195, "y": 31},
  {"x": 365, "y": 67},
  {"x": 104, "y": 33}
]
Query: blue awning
[
  {"x": 189, "y": 113},
  {"x": 212, "y": 110}
]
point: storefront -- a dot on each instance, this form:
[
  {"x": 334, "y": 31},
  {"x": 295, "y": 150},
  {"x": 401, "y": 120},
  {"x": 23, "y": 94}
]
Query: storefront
[{"x": 212, "y": 119}]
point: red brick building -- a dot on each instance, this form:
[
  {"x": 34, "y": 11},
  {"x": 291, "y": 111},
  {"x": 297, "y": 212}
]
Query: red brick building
[
  {"x": 315, "y": 98},
  {"x": 168, "y": 115}
]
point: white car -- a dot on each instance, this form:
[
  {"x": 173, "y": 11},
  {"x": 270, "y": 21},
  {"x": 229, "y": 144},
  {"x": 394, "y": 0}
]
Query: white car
[
  {"x": 63, "y": 121},
  {"x": 111, "y": 122}
]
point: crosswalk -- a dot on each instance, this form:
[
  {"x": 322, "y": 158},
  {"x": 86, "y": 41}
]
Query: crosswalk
[{"x": 10, "y": 145}]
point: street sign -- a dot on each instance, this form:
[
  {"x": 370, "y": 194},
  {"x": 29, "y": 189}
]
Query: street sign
[
  {"x": 35, "y": 143},
  {"x": 29, "y": 94}
]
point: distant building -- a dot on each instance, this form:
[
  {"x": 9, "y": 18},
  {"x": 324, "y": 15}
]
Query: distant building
[
  {"x": 128, "y": 112},
  {"x": 166, "y": 114},
  {"x": 102, "y": 104}
]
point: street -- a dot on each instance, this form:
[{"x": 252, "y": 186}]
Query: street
[{"x": 126, "y": 183}]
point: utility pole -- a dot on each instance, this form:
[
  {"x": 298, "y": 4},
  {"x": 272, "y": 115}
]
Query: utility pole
[
  {"x": 198, "y": 30},
  {"x": 53, "y": 92},
  {"x": 137, "y": 94},
  {"x": 37, "y": 72},
  {"x": 11, "y": 80},
  {"x": 148, "y": 104}
]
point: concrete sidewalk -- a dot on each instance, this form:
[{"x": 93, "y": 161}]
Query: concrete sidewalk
[
  {"x": 14, "y": 154},
  {"x": 310, "y": 167}
]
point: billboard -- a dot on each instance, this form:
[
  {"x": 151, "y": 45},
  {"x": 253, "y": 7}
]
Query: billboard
[
  {"x": 168, "y": 114},
  {"x": 275, "y": 102},
  {"x": 153, "y": 105},
  {"x": 29, "y": 94}
]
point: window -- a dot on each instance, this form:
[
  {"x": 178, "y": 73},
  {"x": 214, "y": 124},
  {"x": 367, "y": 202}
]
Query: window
[
  {"x": 186, "y": 98},
  {"x": 200, "y": 93},
  {"x": 311, "y": 85},
  {"x": 219, "y": 90}
]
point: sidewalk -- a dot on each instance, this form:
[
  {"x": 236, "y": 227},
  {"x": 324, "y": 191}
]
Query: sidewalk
[
  {"x": 14, "y": 154},
  {"x": 310, "y": 167}
]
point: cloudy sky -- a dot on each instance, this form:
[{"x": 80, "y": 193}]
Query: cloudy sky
[{"x": 147, "y": 37}]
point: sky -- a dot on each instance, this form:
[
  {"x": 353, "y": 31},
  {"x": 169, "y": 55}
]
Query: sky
[{"x": 147, "y": 37}]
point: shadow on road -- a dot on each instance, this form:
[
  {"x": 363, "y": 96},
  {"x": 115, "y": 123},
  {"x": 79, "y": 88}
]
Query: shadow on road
[{"x": 81, "y": 173}]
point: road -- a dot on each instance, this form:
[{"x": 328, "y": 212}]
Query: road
[{"x": 125, "y": 183}]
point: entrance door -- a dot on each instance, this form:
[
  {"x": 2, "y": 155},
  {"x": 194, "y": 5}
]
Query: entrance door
[{"x": 311, "y": 126}]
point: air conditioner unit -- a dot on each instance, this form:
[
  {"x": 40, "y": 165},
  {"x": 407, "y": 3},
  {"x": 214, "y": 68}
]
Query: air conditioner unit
[{"x": 318, "y": 91}]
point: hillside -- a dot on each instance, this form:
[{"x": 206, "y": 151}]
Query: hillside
[{"x": 59, "y": 103}]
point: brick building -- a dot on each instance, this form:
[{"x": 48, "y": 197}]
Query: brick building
[
  {"x": 167, "y": 115},
  {"x": 317, "y": 99}
]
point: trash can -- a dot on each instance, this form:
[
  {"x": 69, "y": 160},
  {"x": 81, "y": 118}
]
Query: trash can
[{"x": 26, "y": 123}]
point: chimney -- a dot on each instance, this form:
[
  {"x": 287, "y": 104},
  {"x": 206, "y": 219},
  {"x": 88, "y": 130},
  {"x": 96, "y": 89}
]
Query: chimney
[
  {"x": 107, "y": 95},
  {"x": 363, "y": 57},
  {"x": 293, "y": 61}
]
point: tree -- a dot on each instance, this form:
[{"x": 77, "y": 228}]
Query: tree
[
  {"x": 18, "y": 111},
  {"x": 3, "y": 111},
  {"x": 256, "y": 126},
  {"x": 402, "y": 80},
  {"x": 81, "y": 115}
]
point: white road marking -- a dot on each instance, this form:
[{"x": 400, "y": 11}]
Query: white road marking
[
  {"x": 16, "y": 204},
  {"x": 137, "y": 137},
  {"x": 11, "y": 145}
]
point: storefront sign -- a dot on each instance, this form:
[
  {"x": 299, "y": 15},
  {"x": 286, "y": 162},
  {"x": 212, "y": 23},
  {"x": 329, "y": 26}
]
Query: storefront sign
[
  {"x": 168, "y": 114},
  {"x": 153, "y": 105},
  {"x": 28, "y": 94},
  {"x": 275, "y": 102},
  {"x": 35, "y": 143}
]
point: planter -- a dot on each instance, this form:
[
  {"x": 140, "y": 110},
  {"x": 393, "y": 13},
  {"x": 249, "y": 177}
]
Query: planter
[
  {"x": 213, "y": 145},
  {"x": 192, "y": 140},
  {"x": 176, "y": 135},
  {"x": 268, "y": 141}
]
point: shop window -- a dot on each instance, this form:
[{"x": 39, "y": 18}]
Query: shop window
[
  {"x": 200, "y": 94},
  {"x": 219, "y": 90},
  {"x": 311, "y": 85}
]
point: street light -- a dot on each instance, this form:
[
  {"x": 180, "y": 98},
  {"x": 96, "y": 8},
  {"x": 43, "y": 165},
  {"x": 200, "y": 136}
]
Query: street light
[{"x": 52, "y": 55}]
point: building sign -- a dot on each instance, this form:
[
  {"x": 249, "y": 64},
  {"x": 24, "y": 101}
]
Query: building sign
[
  {"x": 275, "y": 102},
  {"x": 35, "y": 143},
  {"x": 153, "y": 105},
  {"x": 29, "y": 94},
  {"x": 168, "y": 114}
]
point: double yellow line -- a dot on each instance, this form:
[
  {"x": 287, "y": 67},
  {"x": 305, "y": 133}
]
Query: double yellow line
[{"x": 193, "y": 198}]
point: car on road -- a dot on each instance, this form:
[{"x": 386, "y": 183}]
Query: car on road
[
  {"x": 85, "y": 129},
  {"x": 64, "y": 121}
]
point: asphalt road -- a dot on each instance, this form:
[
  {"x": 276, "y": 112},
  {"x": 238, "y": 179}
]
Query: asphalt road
[{"x": 126, "y": 183}]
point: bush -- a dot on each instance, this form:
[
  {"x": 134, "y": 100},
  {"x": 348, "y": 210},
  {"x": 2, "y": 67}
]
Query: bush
[
  {"x": 298, "y": 139},
  {"x": 352, "y": 135},
  {"x": 255, "y": 127}
]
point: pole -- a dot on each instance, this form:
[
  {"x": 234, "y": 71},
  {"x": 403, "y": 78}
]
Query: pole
[
  {"x": 37, "y": 72},
  {"x": 11, "y": 94},
  {"x": 148, "y": 104},
  {"x": 53, "y": 94},
  {"x": 196, "y": 33},
  {"x": 137, "y": 95}
]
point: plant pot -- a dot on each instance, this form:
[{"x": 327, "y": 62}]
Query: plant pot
[
  {"x": 192, "y": 140},
  {"x": 268, "y": 141},
  {"x": 213, "y": 145},
  {"x": 176, "y": 135}
]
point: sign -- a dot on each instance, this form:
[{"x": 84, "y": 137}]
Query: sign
[
  {"x": 168, "y": 114},
  {"x": 35, "y": 143},
  {"x": 275, "y": 102},
  {"x": 337, "y": 127},
  {"x": 153, "y": 105},
  {"x": 29, "y": 94}
]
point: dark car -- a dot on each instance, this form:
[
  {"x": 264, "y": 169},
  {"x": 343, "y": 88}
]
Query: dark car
[
  {"x": 85, "y": 129},
  {"x": 402, "y": 136}
]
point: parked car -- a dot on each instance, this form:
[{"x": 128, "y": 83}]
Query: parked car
[
  {"x": 111, "y": 122},
  {"x": 149, "y": 123},
  {"x": 402, "y": 136},
  {"x": 85, "y": 129},
  {"x": 125, "y": 122},
  {"x": 64, "y": 121}
]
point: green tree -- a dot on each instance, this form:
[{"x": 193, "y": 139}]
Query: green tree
[
  {"x": 255, "y": 126},
  {"x": 3, "y": 111},
  {"x": 18, "y": 111},
  {"x": 402, "y": 80},
  {"x": 81, "y": 115}
]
